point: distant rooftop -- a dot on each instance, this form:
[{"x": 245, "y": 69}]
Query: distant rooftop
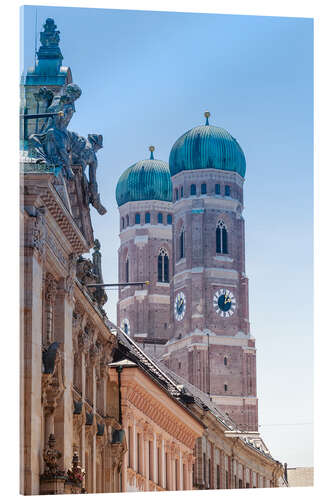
[{"x": 300, "y": 476}]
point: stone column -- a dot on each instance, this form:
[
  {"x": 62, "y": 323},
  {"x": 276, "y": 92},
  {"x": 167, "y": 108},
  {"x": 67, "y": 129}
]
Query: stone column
[
  {"x": 31, "y": 354},
  {"x": 63, "y": 335}
]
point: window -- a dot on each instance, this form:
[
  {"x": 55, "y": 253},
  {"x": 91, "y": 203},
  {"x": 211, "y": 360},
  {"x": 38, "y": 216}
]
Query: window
[
  {"x": 122, "y": 222},
  {"x": 169, "y": 219},
  {"x": 221, "y": 237},
  {"x": 203, "y": 188},
  {"x": 218, "y": 483},
  {"x": 181, "y": 192},
  {"x": 227, "y": 190},
  {"x": 193, "y": 189},
  {"x": 147, "y": 218},
  {"x": 182, "y": 244},
  {"x": 176, "y": 194},
  {"x": 240, "y": 483},
  {"x": 225, "y": 361},
  {"x": 137, "y": 218},
  {"x": 225, "y": 387},
  {"x": 127, "y": 220},
  {"x": 160, "y": 218},
  {"x": 226, "y": 480},
  {"x": 217, "y": 188},
  {"x": 163, "y": 266},
  {"x": 138, "y": 450},
  {"x": 127, "y": 270},
  {"x": 126, "y": 328}
]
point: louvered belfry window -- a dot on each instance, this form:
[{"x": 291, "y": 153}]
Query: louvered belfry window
[
  {"x": 163, "y": 266},
  {"x": 221, "y": 237}
]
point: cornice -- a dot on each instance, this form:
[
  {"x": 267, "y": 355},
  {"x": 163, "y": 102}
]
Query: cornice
[{"x": 39, "y": 191}]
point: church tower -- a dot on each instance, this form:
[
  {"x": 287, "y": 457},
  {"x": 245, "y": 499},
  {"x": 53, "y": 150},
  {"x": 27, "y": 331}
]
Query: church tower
[
  {"x": 211, "y": 345},
  {"x": 144, "y": 197}
]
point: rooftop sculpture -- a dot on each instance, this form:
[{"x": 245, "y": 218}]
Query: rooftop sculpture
[{"x": 52, "y": 147}]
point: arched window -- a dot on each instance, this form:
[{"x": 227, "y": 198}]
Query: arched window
[
  {"x": 181, "y": 192},
  {"x": 127, "y": 270},
  {"x": 169, "y": 219},
  {"x": 182, "y": 244},
  {"x": 137, "y": 218},
  {"x": 225, "y": 387},
  {"x": 217, "y": 188},
  {"x": 227, "y": 190},
  {"x": 147, "y": 218},
  {"x": 127, "y": 220},
  {"x": 221, "y": 237},
  {"x": 122, "y": 222},
  {"x": 163, "y": 266},
  {"x": 160, "y": 218},
  {"x": 225, "y": 360},
  {"x": 203, "y": 188},
  {"x": 193, "y": 189},
  {"x": 176, "y": 194}
]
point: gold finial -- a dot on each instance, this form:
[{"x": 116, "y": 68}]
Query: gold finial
[
  {"x": 151, "y": 149},
  {"x": 207, "y": 115}
]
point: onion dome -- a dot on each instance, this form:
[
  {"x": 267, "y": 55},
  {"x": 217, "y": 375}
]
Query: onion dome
[
  {"x": 145, "y": 180},
  {"x": 207, "y": 147}
]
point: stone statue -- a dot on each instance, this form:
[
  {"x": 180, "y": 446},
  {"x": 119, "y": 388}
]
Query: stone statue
[
  {"x": 53, "y": 146},
  {"x": 84, "y": 153}
]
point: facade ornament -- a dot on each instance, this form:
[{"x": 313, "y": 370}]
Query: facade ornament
[
  {"x": 84, "y": 154},
  {"x": 50, "y": 288},
  {"x": 53, "y": 145},
  {"x": 52, "y": 381},
  {"x": 51, "y": 456},
  {"x": 35, "y": 235},
  {"x": 76, "y": 474},
  {"x": 50, "y": 296},
  {"x": 84, "y": 339}
]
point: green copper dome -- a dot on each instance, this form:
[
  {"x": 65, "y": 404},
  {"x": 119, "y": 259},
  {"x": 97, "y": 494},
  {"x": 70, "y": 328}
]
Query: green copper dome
[
  {"x": 207, "y": 147},
  {"x": 145, "y": 180}
]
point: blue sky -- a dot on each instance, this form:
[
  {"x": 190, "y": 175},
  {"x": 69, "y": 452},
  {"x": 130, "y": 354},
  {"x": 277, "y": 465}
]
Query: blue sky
[{"x": 147, "y": 77}]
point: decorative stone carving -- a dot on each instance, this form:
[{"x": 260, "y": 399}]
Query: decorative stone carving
[
  {"x": 84, "y": 153},
  {"x": 52, "y": 381},
  {"x": 51, "y": 456},
  {"x": 35, "y": 234},
  {"x": 76, "y": 474},
  {"x": 50, "y": 288},
  {"x": 53, "y": 147}
]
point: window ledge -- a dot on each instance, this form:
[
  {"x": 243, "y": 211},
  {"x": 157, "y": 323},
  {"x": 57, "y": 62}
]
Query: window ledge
[{"x": 223, "y": 258}]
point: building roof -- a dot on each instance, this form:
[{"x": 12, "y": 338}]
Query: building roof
[
  {"x": 185, "y": 393},
  {"x": 206, "y": 147},
  {"x": 145, "y": 180}
]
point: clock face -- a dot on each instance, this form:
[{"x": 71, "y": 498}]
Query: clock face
[
  {"x": 224, "y": 303},
  {"x": 180, "y": 306}
]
